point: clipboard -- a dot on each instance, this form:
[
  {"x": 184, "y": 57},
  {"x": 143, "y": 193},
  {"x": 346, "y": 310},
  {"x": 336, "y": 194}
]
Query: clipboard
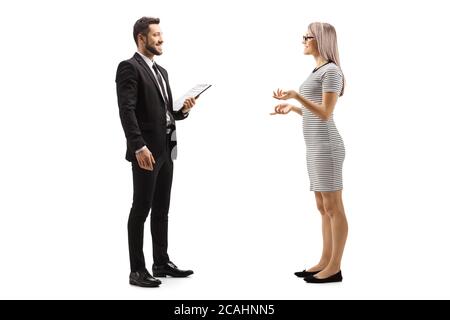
[
  {"x": 195, "y": 92},
  {"x": 207, "y": 86}
]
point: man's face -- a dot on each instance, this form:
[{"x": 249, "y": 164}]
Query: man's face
[{"x": 153, "y": 41}]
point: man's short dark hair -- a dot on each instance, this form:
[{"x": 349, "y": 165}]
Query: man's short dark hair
[{"x": 142, "y": 26}]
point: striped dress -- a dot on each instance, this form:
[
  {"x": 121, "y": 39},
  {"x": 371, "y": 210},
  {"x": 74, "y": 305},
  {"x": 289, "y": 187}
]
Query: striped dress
[{"x": 325, "y": 151}]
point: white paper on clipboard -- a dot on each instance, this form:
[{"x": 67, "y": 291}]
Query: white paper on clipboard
[{"x": 194, "y": 92}]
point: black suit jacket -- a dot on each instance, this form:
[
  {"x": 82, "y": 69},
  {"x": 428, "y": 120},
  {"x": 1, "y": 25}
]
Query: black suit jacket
[{"x": 141, "y": 106}]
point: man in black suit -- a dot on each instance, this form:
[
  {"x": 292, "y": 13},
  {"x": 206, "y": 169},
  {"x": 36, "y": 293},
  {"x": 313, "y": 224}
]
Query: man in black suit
[{"x": 148, "y": 120}]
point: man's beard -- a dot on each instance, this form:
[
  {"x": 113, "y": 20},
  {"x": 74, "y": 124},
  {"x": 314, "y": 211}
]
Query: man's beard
[{"x": 152, "y": 49}]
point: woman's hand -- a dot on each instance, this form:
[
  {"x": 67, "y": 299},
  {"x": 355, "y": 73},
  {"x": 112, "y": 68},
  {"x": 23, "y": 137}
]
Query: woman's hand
[
  {"x": 282, "y": 109},
  {"x": 284, "y": 95}
]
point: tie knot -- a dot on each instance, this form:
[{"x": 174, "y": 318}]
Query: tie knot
[{"x": 155, "y": 68}]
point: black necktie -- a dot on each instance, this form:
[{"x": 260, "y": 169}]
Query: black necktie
[
  {"x": 170, "y": 119},
  {"x": 161, "y": 84}
]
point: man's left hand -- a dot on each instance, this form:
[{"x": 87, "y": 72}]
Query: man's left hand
[{"x": 188, "y": 104}]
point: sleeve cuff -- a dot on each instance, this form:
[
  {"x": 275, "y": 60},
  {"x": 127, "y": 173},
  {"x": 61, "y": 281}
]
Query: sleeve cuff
[{"x": 141, "y": 149}]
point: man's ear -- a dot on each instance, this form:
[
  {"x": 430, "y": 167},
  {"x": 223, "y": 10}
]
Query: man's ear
[{"x": 141, "y": 37}]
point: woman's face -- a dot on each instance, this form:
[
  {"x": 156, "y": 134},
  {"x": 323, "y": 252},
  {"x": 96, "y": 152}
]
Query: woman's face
[{"x": 310, "y": 44}]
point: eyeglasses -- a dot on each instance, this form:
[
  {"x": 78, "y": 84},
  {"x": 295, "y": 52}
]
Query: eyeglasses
[{"x": 306, "y": 38}]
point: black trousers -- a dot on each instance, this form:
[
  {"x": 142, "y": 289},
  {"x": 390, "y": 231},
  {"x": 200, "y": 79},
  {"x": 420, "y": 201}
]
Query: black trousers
[{"x": 151, "y": 191}]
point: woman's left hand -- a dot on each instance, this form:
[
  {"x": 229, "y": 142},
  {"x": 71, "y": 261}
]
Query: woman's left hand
[{"x": 284, "y": 95}]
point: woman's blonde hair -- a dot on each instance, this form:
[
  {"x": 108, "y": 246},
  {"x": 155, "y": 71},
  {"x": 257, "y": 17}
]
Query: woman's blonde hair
[{"x": 326, "y": 38}]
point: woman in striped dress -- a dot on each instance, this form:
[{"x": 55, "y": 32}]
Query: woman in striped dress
[{"x": 325, "y": 150}]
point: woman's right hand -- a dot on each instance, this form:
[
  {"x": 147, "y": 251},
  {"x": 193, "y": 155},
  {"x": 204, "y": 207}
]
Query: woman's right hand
[
  {"x": 283, "y": 108},
  {"x": 285, "y": 95}
]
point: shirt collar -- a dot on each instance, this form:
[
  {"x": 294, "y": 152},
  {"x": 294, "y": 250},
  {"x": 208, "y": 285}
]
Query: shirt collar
[{"x": 149, "y": 61}]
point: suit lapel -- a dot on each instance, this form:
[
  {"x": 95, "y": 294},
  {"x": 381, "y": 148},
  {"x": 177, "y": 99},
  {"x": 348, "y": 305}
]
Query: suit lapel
[{"x": 149, "y": 72}]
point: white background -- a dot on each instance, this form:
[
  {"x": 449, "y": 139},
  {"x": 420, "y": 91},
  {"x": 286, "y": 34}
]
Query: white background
[{"x": 242, "y": 215}]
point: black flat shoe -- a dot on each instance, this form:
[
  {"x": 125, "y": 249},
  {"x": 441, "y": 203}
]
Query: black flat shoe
[
  {"x": 334, "y": 278},
  {"x": 304, "y": 273},
  {"x": 143, "y": 279},
  {"x": 170, "y": 269}
]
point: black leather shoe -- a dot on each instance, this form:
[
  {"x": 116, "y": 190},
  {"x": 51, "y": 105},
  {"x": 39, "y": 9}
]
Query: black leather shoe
[
  {"x": 170, "y": 269},
  {"x": 334, "y": 278},
  {"x": 151, "y": 277},
  {"x": 304, "y": 273},
  {"x": 143, "y": 279}
]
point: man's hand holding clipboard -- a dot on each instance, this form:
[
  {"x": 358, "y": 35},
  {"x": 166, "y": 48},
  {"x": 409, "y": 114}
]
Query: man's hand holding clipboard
[{"x": 187, "y": 101}]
